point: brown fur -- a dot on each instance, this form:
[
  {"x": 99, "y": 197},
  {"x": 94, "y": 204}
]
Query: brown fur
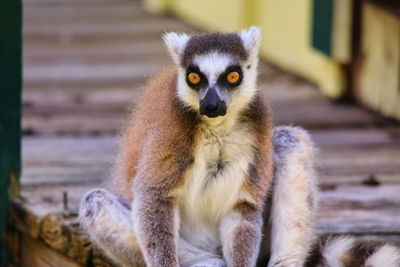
[
  {"x": 156, "y": 150},
  {"x": 260, "y": 173},
  {"x": 160, "y": 133},
  {"x": 247, "y": 236},
  {"x": 359, "y": 254}
]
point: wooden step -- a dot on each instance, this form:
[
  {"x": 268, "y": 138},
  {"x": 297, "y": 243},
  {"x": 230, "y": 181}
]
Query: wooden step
[
  {"x": 111, "y": 51},
  {"x": 81, "y": 12},
  {"x": 89, "y": 74},
  {"x": 111, "y": 30}
]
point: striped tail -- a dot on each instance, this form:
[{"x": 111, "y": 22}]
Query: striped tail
[{"x": 347, "y": 252}]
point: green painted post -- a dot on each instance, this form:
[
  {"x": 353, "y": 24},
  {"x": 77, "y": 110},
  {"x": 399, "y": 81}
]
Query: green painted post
[
  {"x": 322, "y": 25},
  {"x": 10, "y": 111}
]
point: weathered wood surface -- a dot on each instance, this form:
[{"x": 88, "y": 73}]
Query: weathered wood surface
[
  {"x": 35, "y": 253},
  {"x": 85, "y": 63}
]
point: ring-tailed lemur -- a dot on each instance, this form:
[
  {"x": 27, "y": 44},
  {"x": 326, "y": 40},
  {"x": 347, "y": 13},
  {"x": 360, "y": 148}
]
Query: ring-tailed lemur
[{"x": 204, "y": 180}]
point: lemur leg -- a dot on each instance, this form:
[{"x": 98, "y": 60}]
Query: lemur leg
[
  {"x": 240, "y": 233},
  {"x": 294, "y": 197},
  {"x": 108, "y": 221}
]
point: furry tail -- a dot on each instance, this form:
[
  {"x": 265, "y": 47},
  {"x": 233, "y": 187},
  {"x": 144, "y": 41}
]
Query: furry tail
[{"x": 347, "y": 252}]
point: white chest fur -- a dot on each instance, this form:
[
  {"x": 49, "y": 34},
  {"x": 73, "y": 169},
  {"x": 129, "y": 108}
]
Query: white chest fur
[{"x": 214, "y": 184}]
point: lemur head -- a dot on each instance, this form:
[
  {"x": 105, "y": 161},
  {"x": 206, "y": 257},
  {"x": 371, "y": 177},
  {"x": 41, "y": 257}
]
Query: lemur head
[{"x": 216, "y": 72}]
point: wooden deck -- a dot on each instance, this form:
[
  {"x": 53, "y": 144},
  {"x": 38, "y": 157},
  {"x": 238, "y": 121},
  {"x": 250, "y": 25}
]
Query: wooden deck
[{"x": 84, "y": 64}]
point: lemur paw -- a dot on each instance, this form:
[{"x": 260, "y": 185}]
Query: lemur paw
[
  {"x": 210, "y": 263},
  {"x": 286, "y": 265},
  {"x": 286, "y": 262},
  {"x": 91, "y": 205}
]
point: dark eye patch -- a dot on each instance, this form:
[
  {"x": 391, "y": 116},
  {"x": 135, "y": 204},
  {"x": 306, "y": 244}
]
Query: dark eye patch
[
  {"x": 203, "y": 79},
  {"x": 222, "y": 79}
]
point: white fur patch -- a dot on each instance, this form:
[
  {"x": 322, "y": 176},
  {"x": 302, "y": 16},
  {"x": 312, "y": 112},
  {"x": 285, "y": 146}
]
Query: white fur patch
[
  {"x": 210, "y": 193},
  {"x": 213, "y": 65},
  {"x": 251, "y": 39},
  {"x": 387, "y": 256},
  {"x": 335, "y": 249},
  {"x": 191, "y": 256},
  {"x": 176, "y": 43}
]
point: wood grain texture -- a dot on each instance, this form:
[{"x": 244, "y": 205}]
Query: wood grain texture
[
  {"x": 82, "y": 80},
  {"x": 36, "y": 254}
]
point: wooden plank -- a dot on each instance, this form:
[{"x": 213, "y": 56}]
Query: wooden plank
[
  {"x": 43, "y": 52},
  {"x": 115, "y": 60},
  {"x": 77, "y": 110},
  {"x": 85, "y": 74},
  {"x": 324, "y": 114},
  {"x": 99, "y": 97},
  {"x": 50, "y": 199},
  {"x": 59, "y": 241},
  {"x": 67, "y": 160},
  {"x": 360, "y": 209},
  {"x": 73, "y": 125},
  {"x": 297, "y": 102},
  {"x": 35, "y": 254},
  {"x": 86, "y": 12},
  {"x": 285, "y": 91},
  {"x": 67, "y": 32},
  {"x": 331, "y": 180},
  {"x": 361, "y": 160},
  {"x": 63, "y": 18},
  {"x": 356, "y": 137}
]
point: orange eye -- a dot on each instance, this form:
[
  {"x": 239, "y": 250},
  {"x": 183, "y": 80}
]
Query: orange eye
[
  {"x": 194, "y": 78},
  {"x": 233, "y": 77}
]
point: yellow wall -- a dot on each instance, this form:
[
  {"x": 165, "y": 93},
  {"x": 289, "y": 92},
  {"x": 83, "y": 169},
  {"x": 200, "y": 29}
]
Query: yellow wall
[
  {"x": 286, "y": 28},
  {"x": 225, "y": 15},
  {"x": 379, "y": 72}
]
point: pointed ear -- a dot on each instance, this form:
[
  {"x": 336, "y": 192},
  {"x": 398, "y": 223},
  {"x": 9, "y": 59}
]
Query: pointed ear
[
  {"x": 176, "y": 43},
  {"x": 251, "y": 39}
]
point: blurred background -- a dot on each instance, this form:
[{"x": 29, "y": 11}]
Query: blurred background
[{"x": 331, "y": 66}]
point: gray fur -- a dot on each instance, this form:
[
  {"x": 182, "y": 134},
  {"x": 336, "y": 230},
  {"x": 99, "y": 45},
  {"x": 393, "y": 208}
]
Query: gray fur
[
  {"x": 229, "y": 43},
  {"x": 108, "y": 222}
]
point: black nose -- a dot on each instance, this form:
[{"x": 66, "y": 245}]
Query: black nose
[{"x": 211, "y": 105}]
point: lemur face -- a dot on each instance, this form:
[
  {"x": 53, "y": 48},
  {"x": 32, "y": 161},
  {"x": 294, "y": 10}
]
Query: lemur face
[{"x": 216, "y": 72}]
